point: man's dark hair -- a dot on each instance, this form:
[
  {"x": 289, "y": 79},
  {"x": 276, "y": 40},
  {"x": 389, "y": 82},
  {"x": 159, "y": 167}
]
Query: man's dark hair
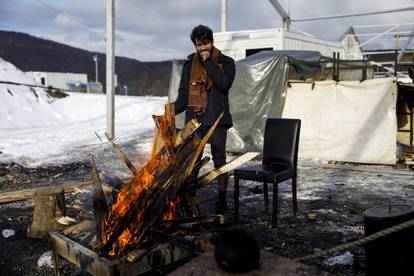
[{"x": 202, "y": 33}]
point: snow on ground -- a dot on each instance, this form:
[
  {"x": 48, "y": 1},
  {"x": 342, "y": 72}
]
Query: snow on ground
[{"x": 37, "y": 129}]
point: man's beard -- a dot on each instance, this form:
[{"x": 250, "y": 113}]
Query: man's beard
[{"x": 206, "y": 50}]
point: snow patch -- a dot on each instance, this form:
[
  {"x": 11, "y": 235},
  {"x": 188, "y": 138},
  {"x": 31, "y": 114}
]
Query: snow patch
[
  {"x": 45, "y": 260},
  {"x": 344, "y": 259},
  {"x": 36, "y": 129},
  {"x": 7, "y": 233}
]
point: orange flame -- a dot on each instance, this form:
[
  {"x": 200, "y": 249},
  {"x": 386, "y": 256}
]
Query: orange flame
[
  {"x": 172, "y": 211},
  {"x": 141, "y": 182}
]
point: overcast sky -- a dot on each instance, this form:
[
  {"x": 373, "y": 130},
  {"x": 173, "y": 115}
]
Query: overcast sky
[{"x": 159, "y": 29}]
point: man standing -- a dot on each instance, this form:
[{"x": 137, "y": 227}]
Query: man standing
[{"x": 203, "y": 94}]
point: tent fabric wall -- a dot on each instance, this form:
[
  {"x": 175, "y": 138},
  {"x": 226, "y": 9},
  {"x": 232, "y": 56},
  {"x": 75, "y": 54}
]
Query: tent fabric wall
[{"x": 345, "y": 121}]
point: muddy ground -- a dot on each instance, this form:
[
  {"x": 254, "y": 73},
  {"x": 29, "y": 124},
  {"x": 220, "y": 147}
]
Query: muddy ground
[{"x": 336, "y": 194}]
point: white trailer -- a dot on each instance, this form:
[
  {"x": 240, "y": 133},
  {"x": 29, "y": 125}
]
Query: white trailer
[
  {"x": 58, "y": 80},
  {"x": 240, "y": 44}
]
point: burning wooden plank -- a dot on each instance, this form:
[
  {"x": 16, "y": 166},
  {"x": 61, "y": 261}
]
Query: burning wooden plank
[
  {"x": 141, "y": 203},
  {"x": 188, "y": 129},
  {"x": 159, "y": 190}
]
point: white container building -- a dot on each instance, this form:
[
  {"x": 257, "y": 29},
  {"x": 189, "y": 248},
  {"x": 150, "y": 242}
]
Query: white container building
[
  {"x": 240, "y": 44},
  {"x": 58, "y": 80}
]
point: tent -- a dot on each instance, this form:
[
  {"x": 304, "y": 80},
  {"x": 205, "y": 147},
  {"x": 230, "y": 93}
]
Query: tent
[{"x": 349, "y": 121}]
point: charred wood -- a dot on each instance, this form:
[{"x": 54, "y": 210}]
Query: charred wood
[{"x": 100, "y": 204}]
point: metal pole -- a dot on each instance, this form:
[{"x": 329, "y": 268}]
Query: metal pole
[
  {"x": 285, "y": 16},
  {"x": 396, "y": 63},
  {"x": 411, "y": 128},
  {"x": 110, "y": 62},
  {"x": 95, "y": 58},
  {"x": 404, "y": 48},
  {"x": 224, "y": 15},
  {"x": 364, "y": 68},
  {"x": 337, "y": 67},
  {"x": 286, "y": 24}
]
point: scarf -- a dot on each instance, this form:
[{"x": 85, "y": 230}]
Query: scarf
[{"x": 200, "y": 82}]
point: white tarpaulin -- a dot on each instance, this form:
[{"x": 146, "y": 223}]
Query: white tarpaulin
[{"x": 345, "y": 121}]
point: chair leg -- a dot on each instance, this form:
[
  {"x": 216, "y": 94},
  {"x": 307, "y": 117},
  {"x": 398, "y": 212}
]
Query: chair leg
[
  {"x": 294, "y": 195},
  {"x": 275, "y": 203},
  {"x": 236, "y": 199},
  {"x": 266, "y": 195}
]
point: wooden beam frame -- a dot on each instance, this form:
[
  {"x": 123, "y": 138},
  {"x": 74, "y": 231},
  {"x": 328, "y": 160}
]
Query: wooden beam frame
[{"x": 91, "y": 262}]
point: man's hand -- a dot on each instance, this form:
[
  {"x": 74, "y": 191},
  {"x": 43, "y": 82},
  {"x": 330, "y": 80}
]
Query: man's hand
[{"x": 205, "y": 54}]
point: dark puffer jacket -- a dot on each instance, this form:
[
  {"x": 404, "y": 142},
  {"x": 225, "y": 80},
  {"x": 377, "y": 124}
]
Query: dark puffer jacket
[{"x": 218, "y": 95}]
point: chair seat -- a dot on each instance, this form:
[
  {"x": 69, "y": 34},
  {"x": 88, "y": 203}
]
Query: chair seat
[{"x": 265, "y": 173}]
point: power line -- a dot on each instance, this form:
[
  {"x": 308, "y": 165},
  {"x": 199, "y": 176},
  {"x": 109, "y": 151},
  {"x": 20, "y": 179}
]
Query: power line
[
  {"x": 65, "y": 14},
  {"x": 390, "y": 33},
  {"x": 352, "y": 15},
  {"x": 95, "y": 29},
  {"x": 383, "y": 25}
]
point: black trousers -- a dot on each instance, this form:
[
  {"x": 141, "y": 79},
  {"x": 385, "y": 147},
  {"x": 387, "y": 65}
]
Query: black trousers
[{"x": 217, "y": 142}]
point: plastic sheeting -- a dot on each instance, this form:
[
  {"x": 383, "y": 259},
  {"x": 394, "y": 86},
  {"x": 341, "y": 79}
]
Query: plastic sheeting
[
  {"x": 346, "y": 121},
  {"x": 257, "y": 94}
]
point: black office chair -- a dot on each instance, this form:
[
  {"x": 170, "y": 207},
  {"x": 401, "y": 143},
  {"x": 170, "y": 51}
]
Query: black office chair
[{"x": 280, "y": 155}]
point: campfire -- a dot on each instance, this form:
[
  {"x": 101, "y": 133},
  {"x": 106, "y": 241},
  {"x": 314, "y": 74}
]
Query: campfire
[{"x": 159, "y": 198}]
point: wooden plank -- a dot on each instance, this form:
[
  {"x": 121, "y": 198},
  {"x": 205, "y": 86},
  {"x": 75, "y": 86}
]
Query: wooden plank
[
  {"x": 84, "y": 226},
  {"x": 169, "y": 190},
  {"x": 25, "y": 194},
  {"x": 170, "y": 119},
  {"x": 164, "y": 134},
  {"x": 79, "y": 255},
  {"x": 190, "y": 166},
  {"x": 207, "y": 178},
  {"x": 122, "y": 155},
  {"x": 142, "y": 203},
  {"x": 157, "y": 143},
  {"x": 187, "y": 130},
  {"x": 200, "y": 219},
  {"x": 90, "y": 261},
  {"x": 100, "y": 205},
  {"x": 152, "y": 202}
]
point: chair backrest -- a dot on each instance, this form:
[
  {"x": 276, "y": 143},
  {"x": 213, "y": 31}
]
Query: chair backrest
[{"x": 281, "y": 141}]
